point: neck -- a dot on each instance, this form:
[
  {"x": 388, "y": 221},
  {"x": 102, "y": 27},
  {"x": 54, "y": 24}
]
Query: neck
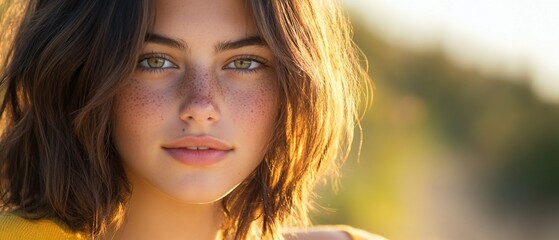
[{"x": 151, "y": 214}]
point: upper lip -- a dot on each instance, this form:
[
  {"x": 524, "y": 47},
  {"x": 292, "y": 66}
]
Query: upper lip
[{"x": 199, "y": 141}]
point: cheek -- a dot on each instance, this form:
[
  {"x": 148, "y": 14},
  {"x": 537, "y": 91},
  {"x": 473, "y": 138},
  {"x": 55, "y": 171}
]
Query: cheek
[
  {"x": 138, "y": 106},
  {"x": 255, "y": 106}
]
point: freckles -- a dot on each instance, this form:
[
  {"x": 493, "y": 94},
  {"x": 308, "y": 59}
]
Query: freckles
[
  {"x": 186, "y": 83},
  {"x": 199, "y": 85},
  {"x": 140, "y": 105},
  {"x": 256, "y": 105}
]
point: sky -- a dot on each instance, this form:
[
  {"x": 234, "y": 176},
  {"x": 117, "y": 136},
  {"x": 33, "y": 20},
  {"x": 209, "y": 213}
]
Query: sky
[{"x": 506, "y": 36}]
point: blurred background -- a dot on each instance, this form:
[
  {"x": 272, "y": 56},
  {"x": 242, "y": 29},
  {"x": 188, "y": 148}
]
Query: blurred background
[{"x": 462, "y": 140}]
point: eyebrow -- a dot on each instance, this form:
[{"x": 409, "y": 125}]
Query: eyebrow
[
  {"x": 159, "y": 39},
  {"x": 220, "y": 47},
  {"x": 248, "y": 41}
]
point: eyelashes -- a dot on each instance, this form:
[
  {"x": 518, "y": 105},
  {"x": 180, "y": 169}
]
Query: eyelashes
[
  {"x": 156, "y": 62},
  {"x": 246, "y": 63}
]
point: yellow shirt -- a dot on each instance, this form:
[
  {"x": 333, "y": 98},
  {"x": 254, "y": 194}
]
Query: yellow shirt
[{"x": 15, "y": 227}]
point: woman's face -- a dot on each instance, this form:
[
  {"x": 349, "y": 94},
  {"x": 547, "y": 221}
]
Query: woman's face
[{"x": 198, "y": 113}]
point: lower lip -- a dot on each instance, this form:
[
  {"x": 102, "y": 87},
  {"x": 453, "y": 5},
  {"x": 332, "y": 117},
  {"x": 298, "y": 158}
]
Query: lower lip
[{"x": 197, "y": 157}]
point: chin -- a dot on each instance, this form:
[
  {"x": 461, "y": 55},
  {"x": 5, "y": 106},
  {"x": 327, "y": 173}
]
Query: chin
[
  {"x": 201, "y": 198},
  {"x": 206, "y": 195}
]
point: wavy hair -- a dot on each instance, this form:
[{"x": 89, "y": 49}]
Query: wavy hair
[
  {"x": 56, "y": 155},
  {"x": 61, "y": 76}
]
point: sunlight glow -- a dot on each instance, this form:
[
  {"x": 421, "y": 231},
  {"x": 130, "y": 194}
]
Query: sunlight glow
[{"x": 511, "y": 36}]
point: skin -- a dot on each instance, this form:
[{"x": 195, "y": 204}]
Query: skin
[
  {"x": 186, "y": 85},
  {"x": 193, "y": 90}
]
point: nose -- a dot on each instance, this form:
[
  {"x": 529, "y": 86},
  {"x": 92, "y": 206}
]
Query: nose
[{"x": 199, "y": 106}]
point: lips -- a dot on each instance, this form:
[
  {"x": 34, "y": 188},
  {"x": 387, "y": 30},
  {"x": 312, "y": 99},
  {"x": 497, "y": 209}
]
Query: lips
[{"x": 198, "y": 150}]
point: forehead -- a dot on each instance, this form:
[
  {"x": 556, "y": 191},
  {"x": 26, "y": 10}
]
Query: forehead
[{"x": 200, "y": 17}]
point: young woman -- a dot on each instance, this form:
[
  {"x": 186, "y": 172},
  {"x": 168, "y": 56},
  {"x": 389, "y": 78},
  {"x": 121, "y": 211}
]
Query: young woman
[{"x": 174, "y": 119}]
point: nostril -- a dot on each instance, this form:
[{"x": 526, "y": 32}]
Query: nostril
[{"x": 199, "y": 109}]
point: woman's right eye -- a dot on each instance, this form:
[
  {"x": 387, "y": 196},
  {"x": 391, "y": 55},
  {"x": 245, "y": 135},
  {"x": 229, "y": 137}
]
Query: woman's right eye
[{"x": 155, "y": 63}]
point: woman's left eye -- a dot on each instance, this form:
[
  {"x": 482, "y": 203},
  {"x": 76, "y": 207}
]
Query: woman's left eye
[{"x": 244, "y": 64}]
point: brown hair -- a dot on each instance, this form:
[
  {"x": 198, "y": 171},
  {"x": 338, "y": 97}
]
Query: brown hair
[
  {"x": 56, "y": 155},
  {"x": 321, "y": 83},
  {"x": 55, "y": 151}
]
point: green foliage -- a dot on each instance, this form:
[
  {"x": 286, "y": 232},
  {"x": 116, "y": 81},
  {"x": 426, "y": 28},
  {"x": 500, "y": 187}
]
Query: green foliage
[{"x": 426, "y": 106}]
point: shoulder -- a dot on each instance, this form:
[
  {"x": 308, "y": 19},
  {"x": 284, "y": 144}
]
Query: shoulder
[
  {"x": 330, "y": 232},
  {"x": 13, "y": 226}
]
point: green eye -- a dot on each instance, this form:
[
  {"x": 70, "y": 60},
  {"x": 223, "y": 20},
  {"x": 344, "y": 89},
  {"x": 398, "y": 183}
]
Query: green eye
[
  {"x": 244, "y": 64},
  {"x": 156, "y": 63}
]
